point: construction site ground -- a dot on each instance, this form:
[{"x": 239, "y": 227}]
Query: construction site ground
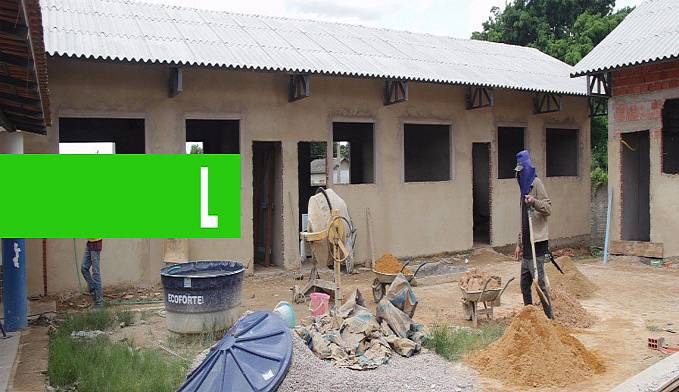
[{"x": 634, "y": 301}]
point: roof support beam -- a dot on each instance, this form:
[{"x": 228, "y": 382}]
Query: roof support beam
[
  {"x": 299, "y": 87},
  {"x": 599, "y": 85},
  {"x": 5, "y": 123},
  {"x": 176, "y": 81},
  {"x": 20, "y": 99},
  {"x": 546, "y": 103},
  {"x": 395, "y": 91},
  {"x": 598, "y": 106},
  {"x": 15, "y": 30},
  {"x": 476, "y": 97},
  {"x": 28, "y": 84},
  {"x": 15, "y": 60}
]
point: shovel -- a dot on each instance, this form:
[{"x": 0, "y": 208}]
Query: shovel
[{"x": 541, "y": 294}]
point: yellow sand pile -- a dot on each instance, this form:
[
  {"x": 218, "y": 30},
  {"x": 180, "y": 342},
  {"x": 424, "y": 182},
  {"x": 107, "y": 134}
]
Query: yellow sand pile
[
  {"x": 535, "y": 351},
  {"x": 568, "y": 311},
  {"x": 572, "y": 280},
  {"x": 474, "y": 280},
  {"x": 389, "y": 264}
]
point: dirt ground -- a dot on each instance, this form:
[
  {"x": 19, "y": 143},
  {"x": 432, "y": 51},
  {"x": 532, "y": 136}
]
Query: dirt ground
[{"x": 634, "y": 301}]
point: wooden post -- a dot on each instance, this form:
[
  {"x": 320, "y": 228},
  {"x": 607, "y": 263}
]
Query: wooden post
[{"x": 371, "y": 241}]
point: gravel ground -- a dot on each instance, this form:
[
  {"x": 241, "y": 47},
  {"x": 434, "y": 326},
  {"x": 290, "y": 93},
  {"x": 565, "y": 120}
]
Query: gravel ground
[{"x": 422, "y": 372}]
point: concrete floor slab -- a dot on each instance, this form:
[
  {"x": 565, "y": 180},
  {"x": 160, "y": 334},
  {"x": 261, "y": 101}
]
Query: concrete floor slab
[{"x": 8, "y": 352}]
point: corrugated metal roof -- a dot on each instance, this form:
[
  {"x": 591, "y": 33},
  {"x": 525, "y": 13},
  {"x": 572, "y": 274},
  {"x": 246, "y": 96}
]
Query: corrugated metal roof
[
  {"x": 132, "y": 31},
  {"x": 648, "y": 34}
]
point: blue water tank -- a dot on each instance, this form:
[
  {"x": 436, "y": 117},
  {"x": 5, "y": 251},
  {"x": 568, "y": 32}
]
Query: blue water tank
[{"x": 254, "y": 355}]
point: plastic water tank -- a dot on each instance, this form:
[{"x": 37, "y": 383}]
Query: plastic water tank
[
  {"x": 202, "y": 295},
  {"x": 254, "y": 355}
]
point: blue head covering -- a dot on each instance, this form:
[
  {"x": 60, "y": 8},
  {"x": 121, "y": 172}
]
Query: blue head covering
[{"x": 526, "y": 172}]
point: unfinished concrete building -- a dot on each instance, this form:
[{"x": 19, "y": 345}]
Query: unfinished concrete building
[
  {"x": 637, "y": 68},
  {"x": 429, "y": 127}
]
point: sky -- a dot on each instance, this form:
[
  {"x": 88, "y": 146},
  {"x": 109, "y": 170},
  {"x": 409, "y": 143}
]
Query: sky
[{"x": 455, "y": 18}]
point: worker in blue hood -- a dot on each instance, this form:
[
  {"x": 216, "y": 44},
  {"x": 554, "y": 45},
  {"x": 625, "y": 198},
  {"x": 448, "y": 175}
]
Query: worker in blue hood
[{"x": 535, "y": 201}]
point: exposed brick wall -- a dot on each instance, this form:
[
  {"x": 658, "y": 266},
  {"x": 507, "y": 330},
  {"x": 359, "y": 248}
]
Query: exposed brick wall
[
  {"x": 599, "y": 214},
  {"x": 648, "y": 78}
]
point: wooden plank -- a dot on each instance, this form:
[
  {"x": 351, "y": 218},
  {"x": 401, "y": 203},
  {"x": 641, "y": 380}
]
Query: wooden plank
[
  {"x": 657, "y": 377},
  {"x": 370, "y": 238},
  {"x": 637, "y": 248}
]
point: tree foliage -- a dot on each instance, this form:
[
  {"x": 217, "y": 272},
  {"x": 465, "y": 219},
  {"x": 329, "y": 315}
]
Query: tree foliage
[{"x": 565, "y": 29}]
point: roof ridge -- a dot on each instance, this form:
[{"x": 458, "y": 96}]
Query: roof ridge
[{"x": 253, "y": 15}]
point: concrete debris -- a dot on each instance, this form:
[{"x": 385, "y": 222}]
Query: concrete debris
[
  {"x": 87, "y": 334},
  {"x": 354, "y": 338},
  {"x": 475, "y": 280}
]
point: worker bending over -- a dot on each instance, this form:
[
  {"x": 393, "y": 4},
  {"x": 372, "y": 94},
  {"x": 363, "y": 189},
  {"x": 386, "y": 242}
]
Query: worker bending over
[{"x": 534, "y": 201}]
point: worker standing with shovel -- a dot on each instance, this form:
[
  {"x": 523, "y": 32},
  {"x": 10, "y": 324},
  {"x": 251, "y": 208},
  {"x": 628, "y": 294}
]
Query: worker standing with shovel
[{"x": 533, "y": 242}]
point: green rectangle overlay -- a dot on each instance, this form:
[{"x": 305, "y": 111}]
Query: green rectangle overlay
[{"x": 119, "y": 196}]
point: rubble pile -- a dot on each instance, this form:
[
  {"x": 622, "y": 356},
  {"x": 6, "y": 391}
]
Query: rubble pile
[
  {"x": 352, "y": 337},
  {"x": 475, "y": 279}
]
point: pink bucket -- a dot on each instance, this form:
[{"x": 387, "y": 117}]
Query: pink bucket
[{"x": 319, "y": 304}]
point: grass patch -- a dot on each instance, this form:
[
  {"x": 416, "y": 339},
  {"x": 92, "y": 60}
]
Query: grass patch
[
  {"x": 653, "y": 328},
  {"x": 97, "y": 319},
  {"x": 452, "y": 343},
  {"x": 99, "y": 365},
  {"x": 125, "y": 316}
]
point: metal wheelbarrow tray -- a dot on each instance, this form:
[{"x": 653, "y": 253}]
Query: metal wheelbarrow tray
[
  {"x": 384, "y": 279},
  {"x": 489, "y": 297}
]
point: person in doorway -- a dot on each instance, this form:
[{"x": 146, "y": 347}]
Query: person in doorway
[
  {"x": 534, "y": 201},
  {"x": 91, "y": 261}
]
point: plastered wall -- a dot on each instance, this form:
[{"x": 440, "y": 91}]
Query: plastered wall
[
  {"x": 408, "y": 219},
  {"x": 636, "y": 106}
]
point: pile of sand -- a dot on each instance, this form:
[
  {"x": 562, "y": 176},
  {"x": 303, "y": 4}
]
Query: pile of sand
[
  {"x": 390, "y": 265},
  {"x": 535, "y": 351},
  {"x": 568, "y": 311},
  {"x": 474, "y": 280},
  {"x": 572, "y": 280}
]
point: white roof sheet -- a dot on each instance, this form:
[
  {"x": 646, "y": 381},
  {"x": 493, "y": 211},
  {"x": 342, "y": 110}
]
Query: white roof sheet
[
  {"x": 648, "y": 34},
  {"x": 141, "y": 32}
]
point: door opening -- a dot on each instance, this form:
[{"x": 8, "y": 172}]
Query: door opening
[
  {"x": 267, "y": 203},
  {"x": 311, "y": 172},
  {"x": 636, "y": 215},
  {"x": 481, "y": 192}
]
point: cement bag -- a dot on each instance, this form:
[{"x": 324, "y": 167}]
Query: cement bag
[
  {"x": 319, "y": 217},
  {"x": 354, "y": 304},
  {"x": 404, "y": 347},
  {"x": 320, "y": 345},
  {"x": 398, "y": 321},
  {"x": 402, "y": 295},
  {"x": 358, "y": 328}
]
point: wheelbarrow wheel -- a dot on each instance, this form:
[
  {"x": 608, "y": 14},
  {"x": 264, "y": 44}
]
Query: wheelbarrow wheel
[{"x": 378, "y": 290}]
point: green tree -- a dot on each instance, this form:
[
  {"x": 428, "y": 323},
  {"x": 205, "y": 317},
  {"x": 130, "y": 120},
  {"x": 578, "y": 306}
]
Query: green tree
[
  {"x": 565, "y": 29},
  {"x": 196, "y": 149}
]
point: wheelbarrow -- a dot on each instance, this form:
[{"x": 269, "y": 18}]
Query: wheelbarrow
[
  {"x": 490, "y": 298},
  {"x": 383, "y": 279}
]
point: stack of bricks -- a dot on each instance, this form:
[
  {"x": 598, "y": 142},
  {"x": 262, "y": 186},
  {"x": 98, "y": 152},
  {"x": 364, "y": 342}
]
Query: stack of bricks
[{"x": 645, "y": 79}]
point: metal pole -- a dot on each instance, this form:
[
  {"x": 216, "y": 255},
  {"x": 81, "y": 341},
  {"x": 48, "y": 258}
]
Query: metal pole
[
  {"x": 608, "y": 223},
  {"x": 14, "y": 283}
]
